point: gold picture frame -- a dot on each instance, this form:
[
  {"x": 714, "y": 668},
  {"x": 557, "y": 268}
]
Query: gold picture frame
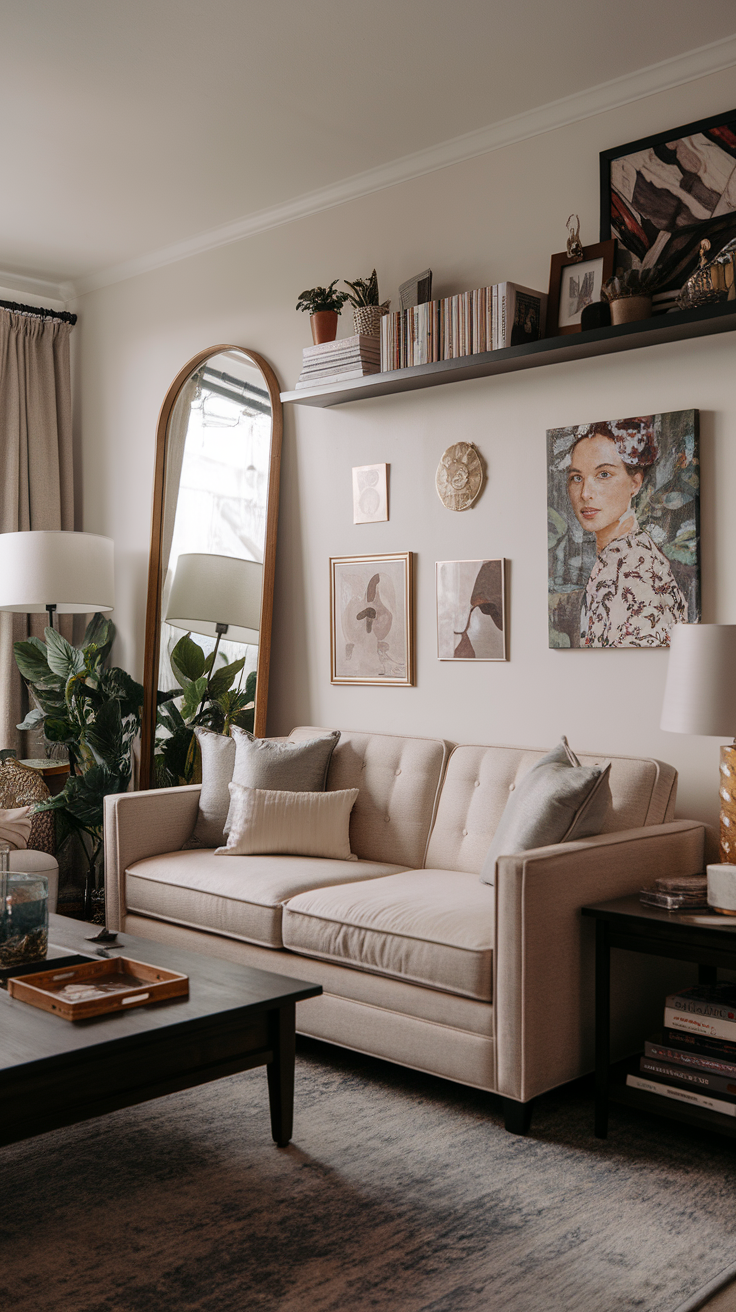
[{"x": 372, "y": 619}]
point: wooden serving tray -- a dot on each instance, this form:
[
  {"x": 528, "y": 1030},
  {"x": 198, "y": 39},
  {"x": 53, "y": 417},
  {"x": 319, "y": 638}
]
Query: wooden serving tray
[{"x": 97, "y": 987}]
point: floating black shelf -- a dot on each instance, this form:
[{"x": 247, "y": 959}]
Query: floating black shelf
[{"x": 674, "y": 327}]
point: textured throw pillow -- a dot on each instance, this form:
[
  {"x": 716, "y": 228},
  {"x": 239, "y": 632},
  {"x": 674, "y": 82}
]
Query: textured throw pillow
[
  {"x": 15, "y": 827},
  {"x": 294, "y": 767},
  {"x": 218, "y": 760},
  {"x": 268, "y": 820},
  {"x": 558, "y": 800}
]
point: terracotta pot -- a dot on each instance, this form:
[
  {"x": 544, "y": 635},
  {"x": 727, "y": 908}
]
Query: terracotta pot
[
  {"x": 324, "y": 326},
  {"x": 628, "y": 309}
]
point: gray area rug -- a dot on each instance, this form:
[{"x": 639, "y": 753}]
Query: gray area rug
[{"x": 399, "y": 1192}]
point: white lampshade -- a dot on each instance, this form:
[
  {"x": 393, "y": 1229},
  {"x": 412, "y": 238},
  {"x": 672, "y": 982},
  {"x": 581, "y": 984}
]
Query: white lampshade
[
  {"x": 212, "y": 590},
  {"x": 71, "y": 571},
  {"x": 700, "y": 693}
]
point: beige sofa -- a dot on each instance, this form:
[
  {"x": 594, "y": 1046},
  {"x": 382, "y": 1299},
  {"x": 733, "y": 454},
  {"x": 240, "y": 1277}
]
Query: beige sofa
[{"x": 421, "y": 963}]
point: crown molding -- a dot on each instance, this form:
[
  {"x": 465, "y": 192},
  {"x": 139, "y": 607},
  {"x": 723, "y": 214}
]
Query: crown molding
[
  {"x": 40, "y": 288},
  {"x": 712, "y": 58}
]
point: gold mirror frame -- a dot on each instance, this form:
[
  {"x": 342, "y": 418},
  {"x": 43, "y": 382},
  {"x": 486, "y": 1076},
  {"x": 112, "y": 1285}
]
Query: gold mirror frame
[{"x": 153, "y": 603}]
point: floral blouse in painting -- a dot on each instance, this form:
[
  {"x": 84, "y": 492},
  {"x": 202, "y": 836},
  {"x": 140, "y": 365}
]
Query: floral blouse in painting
[{"x": 631, "y": 598}]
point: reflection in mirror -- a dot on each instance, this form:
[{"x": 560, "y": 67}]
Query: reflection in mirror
[{"x": 212, "y": 559}]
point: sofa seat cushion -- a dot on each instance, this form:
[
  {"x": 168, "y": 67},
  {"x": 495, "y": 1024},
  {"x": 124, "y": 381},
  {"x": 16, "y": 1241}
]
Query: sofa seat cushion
[
  {"x": 241, "y": 897},
  {"x": 431, "y": 927}
]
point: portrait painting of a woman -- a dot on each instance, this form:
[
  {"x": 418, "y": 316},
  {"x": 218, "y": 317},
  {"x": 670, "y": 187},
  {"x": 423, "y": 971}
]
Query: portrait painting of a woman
[{"x": 623, "y": 531}]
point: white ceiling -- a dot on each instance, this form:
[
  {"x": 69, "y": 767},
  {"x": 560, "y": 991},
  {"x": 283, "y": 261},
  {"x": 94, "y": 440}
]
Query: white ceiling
[{"x": 132, "y": 125}]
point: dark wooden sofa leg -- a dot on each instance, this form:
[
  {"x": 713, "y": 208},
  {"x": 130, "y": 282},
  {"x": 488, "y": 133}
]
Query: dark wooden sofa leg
[{"x": 517, "y": 1115}]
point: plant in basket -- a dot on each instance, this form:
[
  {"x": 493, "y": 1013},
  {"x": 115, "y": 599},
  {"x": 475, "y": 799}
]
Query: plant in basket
[{"x": 367, "y": 307}]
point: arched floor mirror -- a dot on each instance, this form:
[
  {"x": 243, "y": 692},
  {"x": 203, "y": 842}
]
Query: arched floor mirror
[{"x": 213, "y": 552}]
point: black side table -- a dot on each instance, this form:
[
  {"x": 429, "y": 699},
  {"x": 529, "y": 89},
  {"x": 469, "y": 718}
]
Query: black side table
[{"x": 696, "y": 936}]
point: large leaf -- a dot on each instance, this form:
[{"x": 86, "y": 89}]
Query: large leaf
[
  {"x": 187, "y": 659},
  {"x": 105, "y": 736},
  {"x": 175, "y": 751},
  {"x": 61, "y": 730},
  {"x": 82, "y": 796},
  {"x": 116, "y": 683},
  {"x": 224, "y": 678},
  {"x": 31, "y": 659},
  {"x": 250, "y": 685},
  {"x": 63, "y": 659},
  {"x": 99, "y": 634},
  {"x": 33, "y": 719},
  {"x": 192, "y": 697}
]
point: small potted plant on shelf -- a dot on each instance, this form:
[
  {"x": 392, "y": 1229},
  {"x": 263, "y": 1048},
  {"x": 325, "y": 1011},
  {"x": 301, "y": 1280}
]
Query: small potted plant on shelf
[
  {"x": 323, "y": 304},
  {"x": 629, "y": 294},
  {"x": 367, "y": 309}
]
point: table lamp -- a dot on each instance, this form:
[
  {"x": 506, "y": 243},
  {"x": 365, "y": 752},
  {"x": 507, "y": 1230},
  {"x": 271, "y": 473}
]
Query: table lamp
[
  {"x": 700, "y": 698},
  {"x": 217, "y": 595},
  {"x": 56, "y": 571}
]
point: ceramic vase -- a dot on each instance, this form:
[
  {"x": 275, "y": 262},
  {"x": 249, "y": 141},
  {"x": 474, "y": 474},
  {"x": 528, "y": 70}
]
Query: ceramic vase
[{"x": 628, "y": 309}]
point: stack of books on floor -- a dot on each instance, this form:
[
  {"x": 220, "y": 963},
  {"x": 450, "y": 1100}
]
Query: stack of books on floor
[
  {"x": 693, "y": 1059},
  {"x": 487, "y": 319},
  {"x": 332, "y": 362}
]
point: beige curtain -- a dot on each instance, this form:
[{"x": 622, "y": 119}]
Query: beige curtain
[{"x": 36, "y": 479}]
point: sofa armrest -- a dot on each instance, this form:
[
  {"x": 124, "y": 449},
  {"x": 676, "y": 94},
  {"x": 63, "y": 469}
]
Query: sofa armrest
[
  {"x": 138, "y": 825},
  {"x": 543, "y": 959}
]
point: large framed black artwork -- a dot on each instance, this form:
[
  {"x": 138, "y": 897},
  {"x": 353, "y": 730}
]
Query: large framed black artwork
[{"x": 662, "y": 195}]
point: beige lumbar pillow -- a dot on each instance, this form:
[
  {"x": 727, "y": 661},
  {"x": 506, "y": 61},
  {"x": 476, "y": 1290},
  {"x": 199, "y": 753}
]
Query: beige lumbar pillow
[{"x": 269, "y": 821}]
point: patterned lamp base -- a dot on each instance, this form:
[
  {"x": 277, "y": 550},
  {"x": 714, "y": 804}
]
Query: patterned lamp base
[{"x": 727, "y": 791}]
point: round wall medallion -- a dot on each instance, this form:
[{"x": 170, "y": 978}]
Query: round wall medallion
[{"x": 459, "y": 476}]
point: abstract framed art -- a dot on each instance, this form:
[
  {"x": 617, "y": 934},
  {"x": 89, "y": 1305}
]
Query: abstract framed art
[
  {"x": 372, "y": 619},
  {"x": 623, "y": 530},
  {"x": 661, "y": 195},
  {"x": 471, "y": 610}
]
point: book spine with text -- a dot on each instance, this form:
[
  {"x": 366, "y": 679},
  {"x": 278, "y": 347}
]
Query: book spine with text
[
  {"x": 711, "y": 1027},
  {"x": 702, "y": 1080},
  {"x": 682, "y": 1095},
  {"x": 702, "y": 1007},
  {"x": 691, "y": 1060}
]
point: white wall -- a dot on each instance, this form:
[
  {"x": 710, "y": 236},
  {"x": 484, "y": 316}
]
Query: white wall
[{"x": 497, "y": 217}]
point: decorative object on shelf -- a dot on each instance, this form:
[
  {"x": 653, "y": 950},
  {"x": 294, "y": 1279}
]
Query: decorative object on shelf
[
  {"x": 370, "y": 494},
  {"x": 713, "y": 281},
  {"x": 623, "y": 530},
  {"x": 597, "y": 315},
  {"x": 372, "y": 619},
  {"x": 367, "y": 307},
  {"x": 416, "y": 290},
  {"x": 700, "y": 698},
  {"x": 332, "y": 362},
  {"x": 323, "y": 305},
  {"x": 95, "y": 712},
  {"x": 22, "y": 786},
  {"x": 459, "y": 477},
  {"x": 722, "y": 888},
  {"x": 629, "y": 294},
  {"x": 661, "y": 195},
  {"x": 24, "y": 916},
  {"x": 575, "y": 282},
  {"x": 574, "y": 245},
  {"x": 471, "y": 610}
]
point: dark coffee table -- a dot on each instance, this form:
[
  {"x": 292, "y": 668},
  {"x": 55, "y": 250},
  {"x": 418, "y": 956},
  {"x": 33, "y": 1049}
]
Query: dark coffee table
[{"x": 55, "y": 1072}]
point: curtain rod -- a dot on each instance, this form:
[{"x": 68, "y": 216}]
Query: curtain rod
[{"x": 64, "y": 315}]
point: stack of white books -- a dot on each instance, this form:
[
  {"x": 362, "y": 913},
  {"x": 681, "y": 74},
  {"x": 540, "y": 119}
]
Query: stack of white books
[{"x": 333, "y": 362}]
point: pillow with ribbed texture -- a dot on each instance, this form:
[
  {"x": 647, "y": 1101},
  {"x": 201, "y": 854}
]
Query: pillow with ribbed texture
[
  {"x": 557, "y": 801},
  {"x": 270, "y": 821}
]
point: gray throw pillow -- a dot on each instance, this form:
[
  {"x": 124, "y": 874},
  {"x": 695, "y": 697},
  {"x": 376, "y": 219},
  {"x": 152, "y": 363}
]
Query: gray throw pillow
[
  {"x": 558, "y": 800},
  {"x": 218, "y": 760},
  {"x": 292, "y": 767}
]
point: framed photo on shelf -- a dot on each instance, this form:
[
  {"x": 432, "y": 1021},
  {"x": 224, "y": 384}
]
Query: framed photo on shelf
[
  {"x": 372, "y": 619},
  {"x": 661, "y": 195},
  {"x": 471, "y": 610},
  {"x": 573, "y": 284}
]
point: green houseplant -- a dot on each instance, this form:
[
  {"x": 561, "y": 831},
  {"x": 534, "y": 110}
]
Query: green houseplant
[
  {"x": 323, "y": 304},
  {"x": 206, "y": 698},
  {"x": 367, "y": 308},
  {"x": 95, "y": 711}
]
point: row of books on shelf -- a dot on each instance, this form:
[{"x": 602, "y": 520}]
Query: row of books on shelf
[
  {"x": 693, "y": 1059},
  {"x": 487, "y": 319}
]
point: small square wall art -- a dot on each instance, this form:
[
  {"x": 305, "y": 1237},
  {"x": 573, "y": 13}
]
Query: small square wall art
[
  {"x": 370, "y": 494},
  {"x": 623, "y": 521},
  {"x": 372, "y": 616},
  {"x": 471, "y": 610}
]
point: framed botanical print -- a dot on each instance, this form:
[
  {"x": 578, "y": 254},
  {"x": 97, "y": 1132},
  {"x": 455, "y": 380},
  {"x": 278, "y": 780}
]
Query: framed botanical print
[
  {"x": 471, "y": 610},
  {"x": 573, "y": 284},
  {"x": 372, "y": 619},
  {"x": 661, "y": 195}
]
